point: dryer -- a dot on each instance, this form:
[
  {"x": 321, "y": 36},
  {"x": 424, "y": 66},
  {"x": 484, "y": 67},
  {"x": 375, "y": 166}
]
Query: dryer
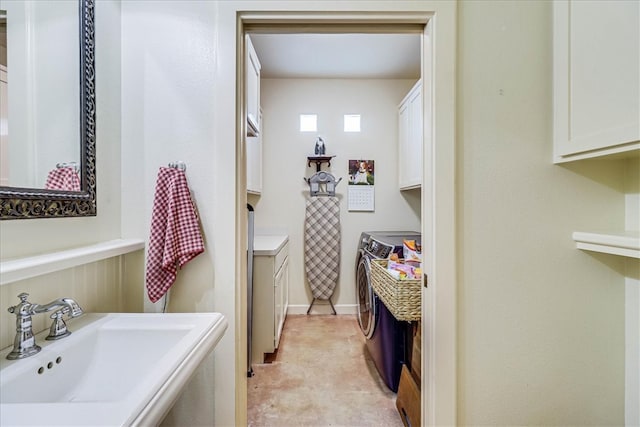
[{"x": 387, "y": 339}]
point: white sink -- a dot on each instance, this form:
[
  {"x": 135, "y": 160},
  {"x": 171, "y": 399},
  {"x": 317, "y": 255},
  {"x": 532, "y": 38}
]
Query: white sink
[{"x": 113, "y": 370}]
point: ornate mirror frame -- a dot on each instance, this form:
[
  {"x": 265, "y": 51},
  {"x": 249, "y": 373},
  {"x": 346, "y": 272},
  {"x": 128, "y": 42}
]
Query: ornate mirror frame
[{"x": 27, "y": 203}]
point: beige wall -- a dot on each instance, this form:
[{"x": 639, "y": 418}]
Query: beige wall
[
  {"x": 541, "y": 324},
  {"x": 285, "y": 150}
]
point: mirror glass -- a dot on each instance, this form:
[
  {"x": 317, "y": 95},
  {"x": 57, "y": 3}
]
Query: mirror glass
[
  {"x": 47, "y": 151},
  {"x": 42, "y": 70}
]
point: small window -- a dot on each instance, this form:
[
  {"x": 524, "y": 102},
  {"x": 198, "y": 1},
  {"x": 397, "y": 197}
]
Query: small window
[
  {"x": 352, "y": 122},
  {"x": 308, "y": 123}
]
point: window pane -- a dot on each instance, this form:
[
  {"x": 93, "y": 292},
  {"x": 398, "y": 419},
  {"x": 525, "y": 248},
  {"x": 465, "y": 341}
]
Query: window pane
[
  {"x": 352, "y": 122},
  {"x": 308, "y": 123}
]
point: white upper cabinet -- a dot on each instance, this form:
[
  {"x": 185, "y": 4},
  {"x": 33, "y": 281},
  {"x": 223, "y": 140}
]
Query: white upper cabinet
[
  {"x": 596, "y": 78},
  {"x": 254, "y": 162},
  {"x": 252, "y": 86},
  {"x": 410, "y": 124}
]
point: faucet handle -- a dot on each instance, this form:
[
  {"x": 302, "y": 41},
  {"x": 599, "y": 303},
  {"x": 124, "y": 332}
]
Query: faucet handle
[
  {"x": 23, "y": 302},
  {"x": 58, "y": 328},
  {"x": 59, "y": 313}
]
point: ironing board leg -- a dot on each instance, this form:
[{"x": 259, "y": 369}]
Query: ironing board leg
[
  {"x": 309, "y": 309},
  {"x": 332, "y": 307}
]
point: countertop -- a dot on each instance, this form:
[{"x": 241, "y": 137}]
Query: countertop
[{"x": 269, "y": 245}]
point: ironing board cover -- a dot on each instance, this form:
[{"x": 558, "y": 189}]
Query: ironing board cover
[{"x": 322, "y": 245}]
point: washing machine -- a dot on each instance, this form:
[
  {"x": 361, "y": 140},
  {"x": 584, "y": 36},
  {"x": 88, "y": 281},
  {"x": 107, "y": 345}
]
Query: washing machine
[{"x": 387, "y": 339}]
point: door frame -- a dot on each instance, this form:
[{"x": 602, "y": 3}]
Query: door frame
[{"x": 437, "y": 24}]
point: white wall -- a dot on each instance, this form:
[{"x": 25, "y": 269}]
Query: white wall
[
  {"x": 285, "y": 150},
  {"x": 169, "y": 82},
  {"x": 167, "y": 115},
  {"x": 541, "y": 324}
]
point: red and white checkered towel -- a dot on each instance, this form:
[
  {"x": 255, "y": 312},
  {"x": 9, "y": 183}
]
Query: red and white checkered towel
[
  {"x": 175, "y": 232},
  {"x": 65, "y": 178}
]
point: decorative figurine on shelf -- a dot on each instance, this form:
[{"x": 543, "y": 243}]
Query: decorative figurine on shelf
[{"x": 320, "y": 148}]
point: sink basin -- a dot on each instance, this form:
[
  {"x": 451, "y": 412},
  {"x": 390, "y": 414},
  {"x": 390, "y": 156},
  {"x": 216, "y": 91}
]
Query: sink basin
[{"x": 114, "y": 369}]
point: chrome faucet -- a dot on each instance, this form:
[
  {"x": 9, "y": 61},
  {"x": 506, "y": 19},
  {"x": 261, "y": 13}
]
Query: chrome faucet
[{"x": 24, "y": 344}]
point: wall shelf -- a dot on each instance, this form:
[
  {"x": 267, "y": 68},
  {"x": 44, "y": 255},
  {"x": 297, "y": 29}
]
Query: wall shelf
[
  {"x": 25, "y": 268},
  {"x": 624, "y": 243},
  {"x": 319, "y": 160}
]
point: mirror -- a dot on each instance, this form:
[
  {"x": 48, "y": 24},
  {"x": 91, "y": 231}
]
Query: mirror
[{"x": 47, "y": 157}]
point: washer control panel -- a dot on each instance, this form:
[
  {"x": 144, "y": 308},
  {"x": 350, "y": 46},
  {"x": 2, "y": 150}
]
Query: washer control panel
[{"x": 378, "y": 249}]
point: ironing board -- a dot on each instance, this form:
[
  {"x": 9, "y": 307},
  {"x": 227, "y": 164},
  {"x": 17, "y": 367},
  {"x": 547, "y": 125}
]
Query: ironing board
[{"x": 322, "y": 247}]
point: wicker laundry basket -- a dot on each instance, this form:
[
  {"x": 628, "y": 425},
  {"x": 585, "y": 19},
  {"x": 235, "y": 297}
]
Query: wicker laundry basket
[{"x": 403, "y": 297}]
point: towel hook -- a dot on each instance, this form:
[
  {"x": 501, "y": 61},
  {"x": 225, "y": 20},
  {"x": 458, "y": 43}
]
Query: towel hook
[
  {"x": 73, "y": 165},
  {"x": 178, "y": 165}
]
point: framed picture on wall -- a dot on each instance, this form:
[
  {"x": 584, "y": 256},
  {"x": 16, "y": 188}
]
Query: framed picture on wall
[
  {"x": 361, "y": 193},
  {"x": 361, "y": 172}
]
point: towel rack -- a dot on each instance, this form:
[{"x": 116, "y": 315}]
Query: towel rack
[
  {"x": 322, "y": 184},
  {"x": 178, "y": 165}
]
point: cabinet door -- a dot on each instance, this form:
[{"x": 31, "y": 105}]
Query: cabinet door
[
  {"x": 252, "y": 87},
  {"x": 403, "y": 144},
  {"x": 254, "y": 163},
  {"x": 285, "y": 291},
  {"x": 596, "y": 76},
  {"x": 410, "y": 123},
  {"x": 414, "y": 155},
  {"x": 281, "y": 284}
]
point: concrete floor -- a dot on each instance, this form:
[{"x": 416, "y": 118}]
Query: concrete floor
[{"x": 322, "y": 376}]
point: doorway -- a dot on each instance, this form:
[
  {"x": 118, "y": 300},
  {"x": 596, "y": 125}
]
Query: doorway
[{"x": 438, "y": 334}]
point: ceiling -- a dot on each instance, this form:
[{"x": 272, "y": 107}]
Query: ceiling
[{"x": 381, "y": 56}]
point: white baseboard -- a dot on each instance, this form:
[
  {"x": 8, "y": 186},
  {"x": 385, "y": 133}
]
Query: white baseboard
[{"x": 321, "y": 307}]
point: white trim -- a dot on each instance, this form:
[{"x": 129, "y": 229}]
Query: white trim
[
  {"x": 439, "y": 306},
  {"x": 632, "y": 352},
  {"x": 439, "y": 395},
  {"x": 321, "y": 307},
  {"x": 25, "y": 268},
  {"x": 625, "y": 243}
]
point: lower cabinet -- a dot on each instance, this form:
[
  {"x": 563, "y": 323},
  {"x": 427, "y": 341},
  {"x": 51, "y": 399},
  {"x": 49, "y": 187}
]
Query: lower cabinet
[{"x": 270, "y": 301}]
